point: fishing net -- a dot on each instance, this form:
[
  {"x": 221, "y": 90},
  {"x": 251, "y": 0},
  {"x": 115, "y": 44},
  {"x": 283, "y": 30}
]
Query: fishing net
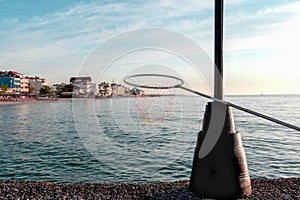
[
  {"x": 158, "y": 101},
  {"x": 154, "y": 108}
]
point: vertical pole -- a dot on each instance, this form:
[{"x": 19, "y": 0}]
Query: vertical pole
[
  {"x": 223, "y": 172},
  {"x": 218, "y": 85}
]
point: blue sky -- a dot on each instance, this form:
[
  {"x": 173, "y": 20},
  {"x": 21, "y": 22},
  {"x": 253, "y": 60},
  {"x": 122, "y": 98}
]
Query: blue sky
[{"x": 53, "y": 38}]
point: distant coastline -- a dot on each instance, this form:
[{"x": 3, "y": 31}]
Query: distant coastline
[
  {"x": 70, "y": 99},
  {"x": 251, "y": 95},
  {"x": 34, "y": 101}
]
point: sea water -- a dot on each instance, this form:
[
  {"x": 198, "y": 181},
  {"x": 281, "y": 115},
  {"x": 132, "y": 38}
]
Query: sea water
[{"x": 147, "y": 139}]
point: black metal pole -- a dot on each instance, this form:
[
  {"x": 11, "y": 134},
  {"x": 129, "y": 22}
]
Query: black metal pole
[
  {"x": 218, "y": 85},
  {"x": 223, "y": 172}
]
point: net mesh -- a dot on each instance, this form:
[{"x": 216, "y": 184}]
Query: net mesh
[
  {"x": 155, "y": 108},
  {"x": 159, "y": 100}
]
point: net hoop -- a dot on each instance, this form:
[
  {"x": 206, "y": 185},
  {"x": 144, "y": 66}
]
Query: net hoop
[{"x": 177, "y": 85}]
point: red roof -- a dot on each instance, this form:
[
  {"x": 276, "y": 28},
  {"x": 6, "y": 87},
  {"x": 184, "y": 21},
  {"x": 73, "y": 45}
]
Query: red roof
[{"x": 15, "y": 73}]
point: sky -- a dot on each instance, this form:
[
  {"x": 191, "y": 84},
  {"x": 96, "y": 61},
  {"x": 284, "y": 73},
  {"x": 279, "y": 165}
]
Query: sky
[{"x": 55, "y": 39}]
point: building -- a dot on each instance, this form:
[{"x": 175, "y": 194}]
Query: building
[
  {"x": 82, "y": 86},
  {"x": 94, "y": 89},
  {"x": 12, "y": 80},
  {"x": 64, "y": 90},
  {"x": 119, "y": 90},
  {"x": 25, "y": 88},
  {"x": 36, "y": 84}
]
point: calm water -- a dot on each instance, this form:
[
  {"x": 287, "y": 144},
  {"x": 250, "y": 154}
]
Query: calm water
[{"x": 137, "y": 139}]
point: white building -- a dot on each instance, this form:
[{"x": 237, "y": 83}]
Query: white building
[
  {"x": 119, "y": 90},
  {"x": 36, "y": 84},
  {"x": 82, "y": 86},
  {"x": 25, "y": 85}
]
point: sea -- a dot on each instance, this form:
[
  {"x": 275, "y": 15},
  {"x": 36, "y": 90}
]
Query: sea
[{"x": 146, "y": 139}]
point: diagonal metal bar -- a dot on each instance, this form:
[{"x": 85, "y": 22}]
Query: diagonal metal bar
[{"x": 244, "y": 109}]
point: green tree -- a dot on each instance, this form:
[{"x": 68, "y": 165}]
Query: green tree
[
  {"x": 135, "y": 91},
  {"x": 3, "y": 88},
  {"x": 58, "y": 91},
  {"x": 31, "y": 90},
  {"x": 46, "y": 90}
]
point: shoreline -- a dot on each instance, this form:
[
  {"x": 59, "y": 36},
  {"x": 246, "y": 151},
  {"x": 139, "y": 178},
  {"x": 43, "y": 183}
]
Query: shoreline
[
  {"x": 262, "y": 188},
  {"x": 57, "y": 100},
  {"x": 33, "y": 101}
]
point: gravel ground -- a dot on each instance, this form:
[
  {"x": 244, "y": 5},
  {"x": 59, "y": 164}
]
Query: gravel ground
[{"x": 284, "y": 188}]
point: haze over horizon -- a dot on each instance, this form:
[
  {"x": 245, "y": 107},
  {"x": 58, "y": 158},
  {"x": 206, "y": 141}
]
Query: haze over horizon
[{"x": 53, "y": 39}]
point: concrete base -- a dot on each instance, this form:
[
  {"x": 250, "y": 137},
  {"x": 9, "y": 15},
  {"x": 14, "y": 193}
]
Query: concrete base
[{"x": 223, "y": 173}]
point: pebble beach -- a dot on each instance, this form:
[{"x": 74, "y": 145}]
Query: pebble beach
[{"x": 262, "y": 188}]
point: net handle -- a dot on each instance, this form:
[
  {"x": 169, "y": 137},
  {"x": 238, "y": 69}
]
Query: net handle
[{"x": 277, "y": 121}]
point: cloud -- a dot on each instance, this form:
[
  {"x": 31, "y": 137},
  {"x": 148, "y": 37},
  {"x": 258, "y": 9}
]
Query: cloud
[
  {"x": 60, "y": 41},
  {"x": 264, "y": 29},
  {"x": 82, "y": 27},
  {"x": 261, "y": 49}
]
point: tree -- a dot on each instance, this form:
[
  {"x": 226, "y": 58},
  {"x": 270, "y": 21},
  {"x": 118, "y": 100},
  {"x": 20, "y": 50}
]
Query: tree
[
  {"x": 3, "y": 88},
  {"x": 31, "y": 90},
  {"x": 135, "y": 91},
  {"x": 58, "y": 91},
  {"x": 46, "y": 90}
]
